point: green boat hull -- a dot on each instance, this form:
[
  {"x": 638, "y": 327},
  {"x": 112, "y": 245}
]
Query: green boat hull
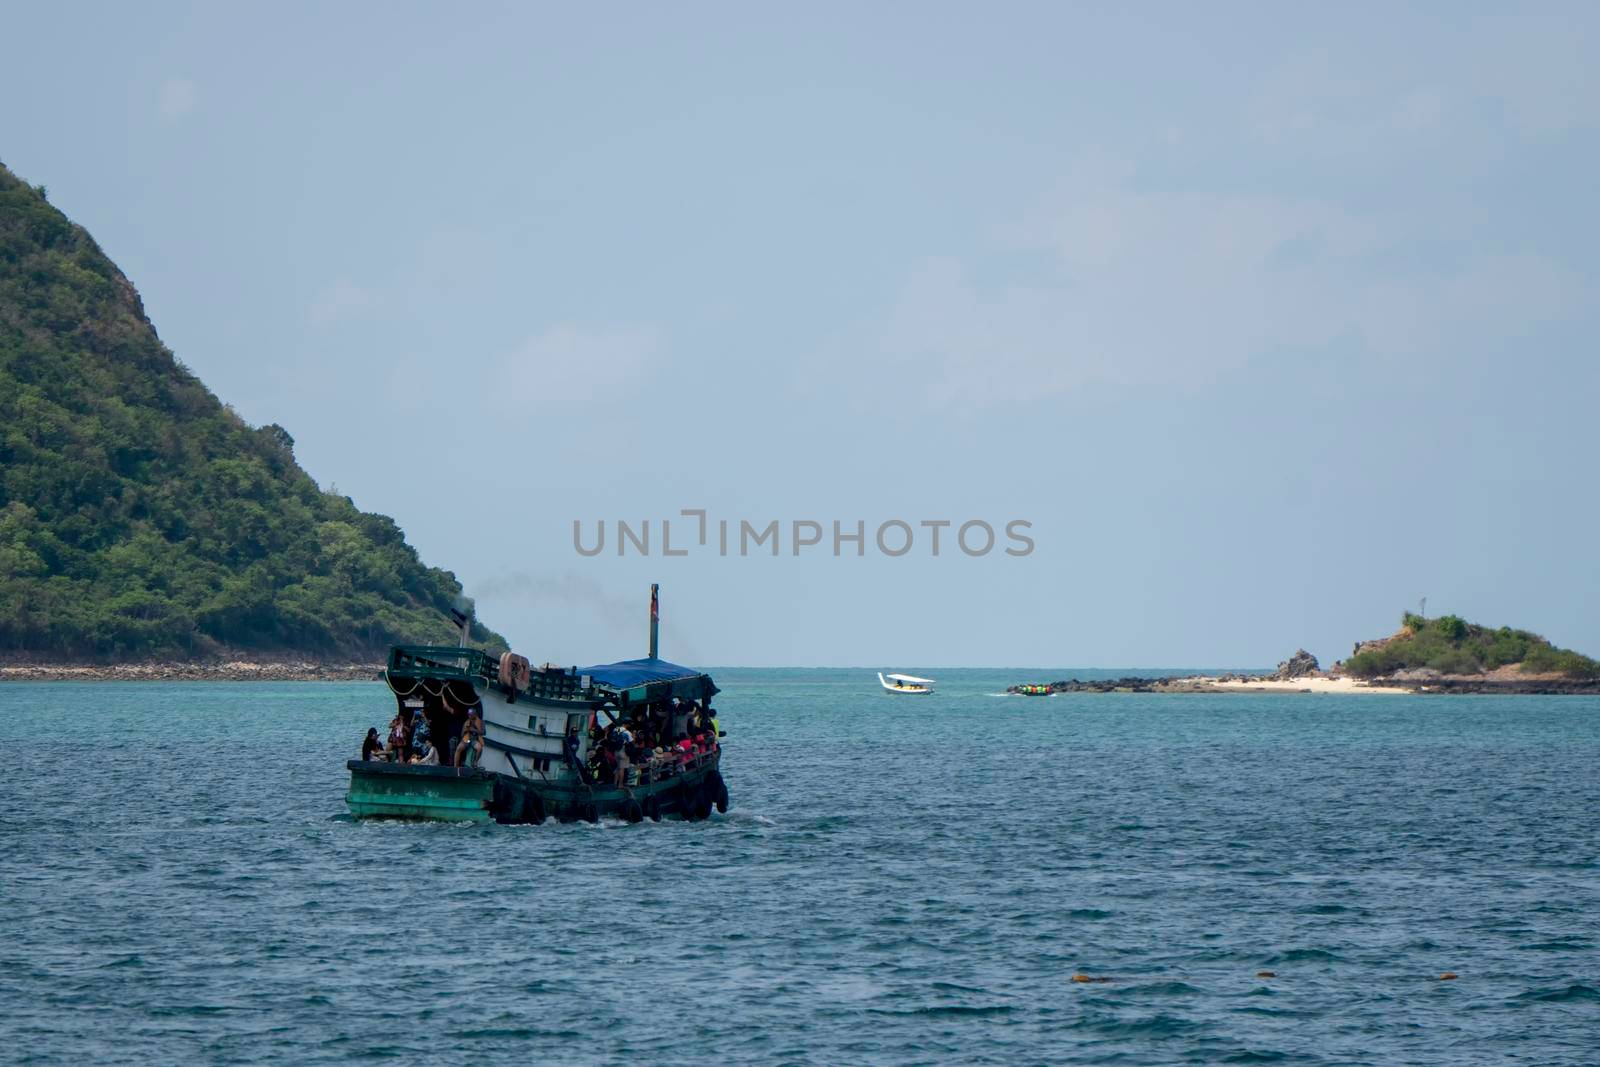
[{"x": 381, "y": 790}]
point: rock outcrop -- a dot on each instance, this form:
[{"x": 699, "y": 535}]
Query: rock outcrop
[{"x": 1298, "y": 665}]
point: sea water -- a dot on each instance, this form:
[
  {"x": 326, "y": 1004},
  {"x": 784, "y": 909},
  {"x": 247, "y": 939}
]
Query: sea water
[{"x": 900, "y": 880}]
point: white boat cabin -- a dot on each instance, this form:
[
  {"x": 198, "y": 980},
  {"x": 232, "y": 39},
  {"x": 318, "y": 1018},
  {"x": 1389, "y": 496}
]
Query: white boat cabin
[{"x": 905, "y": 683}]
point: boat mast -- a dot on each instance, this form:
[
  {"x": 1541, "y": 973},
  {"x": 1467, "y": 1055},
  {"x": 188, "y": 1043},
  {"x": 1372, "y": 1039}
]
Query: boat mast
[{"x": 655, "y": 616}]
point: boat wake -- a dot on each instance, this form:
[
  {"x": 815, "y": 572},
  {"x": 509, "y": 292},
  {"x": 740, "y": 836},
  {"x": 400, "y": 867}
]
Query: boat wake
[{"x": 738, "y": 817}]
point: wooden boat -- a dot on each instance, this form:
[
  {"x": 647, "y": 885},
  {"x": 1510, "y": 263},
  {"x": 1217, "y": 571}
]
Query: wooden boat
[
  {"x": 908, "y": 684},
  {"x": 526, "y": 772}
]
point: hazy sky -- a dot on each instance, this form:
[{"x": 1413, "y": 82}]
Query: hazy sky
[{"x": 1269, "y": 321}]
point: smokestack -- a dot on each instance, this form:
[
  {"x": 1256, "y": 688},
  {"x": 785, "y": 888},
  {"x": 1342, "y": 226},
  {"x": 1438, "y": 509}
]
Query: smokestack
[
  {"x": 461, "y": 615},
  {"x": 655, "y": 616}
]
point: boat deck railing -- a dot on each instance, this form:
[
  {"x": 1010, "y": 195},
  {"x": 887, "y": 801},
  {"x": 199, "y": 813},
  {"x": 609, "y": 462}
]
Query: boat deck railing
[
  {"x": 653, "y": 772},
  {"x": 482, "y": 671},
  {"x": 440, "y": 661}
]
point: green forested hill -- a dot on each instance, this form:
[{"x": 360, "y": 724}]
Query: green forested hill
[
  {"x": 1451, "y": 645},
  {"x": 141, "y": 517}
]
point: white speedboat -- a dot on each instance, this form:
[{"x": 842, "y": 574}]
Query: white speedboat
[{"x": 905, "y": 683}]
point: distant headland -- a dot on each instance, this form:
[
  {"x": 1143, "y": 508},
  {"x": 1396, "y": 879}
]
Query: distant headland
[
  {"x": 142, "y": 520},
  {"x": 1442, "y": 655}
]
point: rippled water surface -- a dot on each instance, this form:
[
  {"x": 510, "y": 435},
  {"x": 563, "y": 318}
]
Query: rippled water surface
[{"x": 900, "y": 880}]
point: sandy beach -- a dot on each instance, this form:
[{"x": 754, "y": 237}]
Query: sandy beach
[{"x": 1312, "y": 684}]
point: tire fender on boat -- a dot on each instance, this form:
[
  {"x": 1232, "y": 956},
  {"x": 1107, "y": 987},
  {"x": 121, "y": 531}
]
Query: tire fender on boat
[
  {"x": 689, "y": 801},
  {"x": 533, "y": 808},
  {"x": 700, "y": 801},
  {"x": 718, "y": 790},
  {"x": 504, "y": 805},
  {"x": 632, "y": 811}
]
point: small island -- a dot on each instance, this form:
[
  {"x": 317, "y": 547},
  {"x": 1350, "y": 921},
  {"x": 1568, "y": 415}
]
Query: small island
[{"x": 1442, "y": 655}]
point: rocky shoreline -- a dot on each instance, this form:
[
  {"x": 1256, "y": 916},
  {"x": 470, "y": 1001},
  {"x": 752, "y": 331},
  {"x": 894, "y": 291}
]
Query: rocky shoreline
[
  {"x": 1324, "y": 683},
  {"x": 234, "y": 671},
  {"x": 1301, "y": 673},
  {"x": 1484, "y": 684}
]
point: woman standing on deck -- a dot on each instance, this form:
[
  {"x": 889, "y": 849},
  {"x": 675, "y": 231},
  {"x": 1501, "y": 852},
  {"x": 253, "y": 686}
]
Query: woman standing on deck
[{"x": 397, "y": 739}]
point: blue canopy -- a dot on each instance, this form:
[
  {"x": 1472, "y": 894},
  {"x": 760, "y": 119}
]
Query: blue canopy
[{"x": 633, "y": 672}]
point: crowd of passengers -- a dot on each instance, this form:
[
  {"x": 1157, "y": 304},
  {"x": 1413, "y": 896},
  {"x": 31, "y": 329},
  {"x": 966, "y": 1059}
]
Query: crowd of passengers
[
  {"x": 643, "y": 745},
  {"x": 440, "y": 733},
  {"x": 646, "y": 744}
]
